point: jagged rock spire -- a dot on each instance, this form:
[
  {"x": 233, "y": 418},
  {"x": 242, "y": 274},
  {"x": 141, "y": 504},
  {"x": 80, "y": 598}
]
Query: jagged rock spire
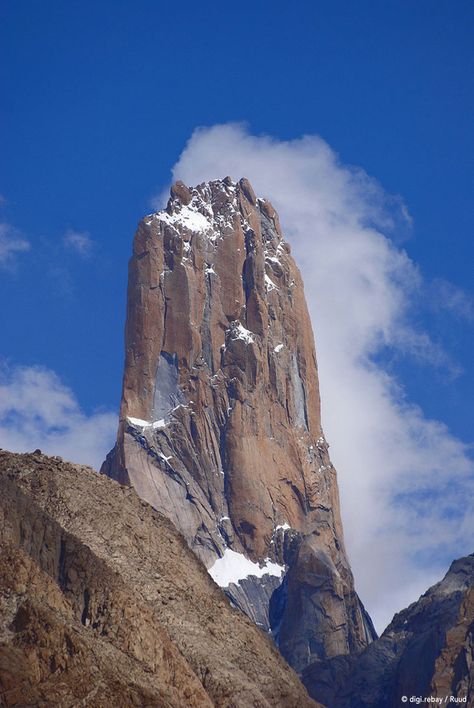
[{"x": 220, "y": 425}]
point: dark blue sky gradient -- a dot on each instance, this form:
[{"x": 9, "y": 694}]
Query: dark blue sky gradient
[{"x": 99, "y": 98}]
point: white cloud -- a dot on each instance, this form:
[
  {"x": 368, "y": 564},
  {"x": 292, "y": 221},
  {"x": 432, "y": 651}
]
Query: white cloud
[
  {"x": 406, "y": 482},
  {"x": 38, "y": 411},
  {"x": 78, "y": 241},
  {"x": 11, "y": 243}
]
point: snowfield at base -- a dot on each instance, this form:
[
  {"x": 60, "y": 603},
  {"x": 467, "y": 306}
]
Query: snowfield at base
[
  {"x": 233, "y": 567},
  {"x": 278, "y": 348}
]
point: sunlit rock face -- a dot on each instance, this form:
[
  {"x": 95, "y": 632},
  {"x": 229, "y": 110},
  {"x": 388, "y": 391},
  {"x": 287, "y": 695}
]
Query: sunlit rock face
[
  {"x": 220, "y": 423},
  {"x": 103, "y": 604}
]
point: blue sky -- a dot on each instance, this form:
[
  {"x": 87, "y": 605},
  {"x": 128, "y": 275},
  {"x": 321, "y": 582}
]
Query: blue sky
[{"x": 99, "y": 101}]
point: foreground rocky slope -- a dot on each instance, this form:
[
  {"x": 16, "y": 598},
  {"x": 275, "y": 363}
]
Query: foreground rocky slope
[
  {"x": 220, "y": 425},
  {"x": 427, "y": 651},
  {"x": 102, "y": 603}
]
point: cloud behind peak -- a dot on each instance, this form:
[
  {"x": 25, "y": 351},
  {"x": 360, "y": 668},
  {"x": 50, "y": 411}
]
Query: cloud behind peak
[{"x": 406, "y": 482}]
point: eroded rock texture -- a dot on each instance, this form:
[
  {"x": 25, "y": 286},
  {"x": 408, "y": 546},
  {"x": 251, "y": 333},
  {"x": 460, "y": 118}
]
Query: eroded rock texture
[
  {"x": 220, "y": 424},
  {"x": 103, "y": 604},
  {"x": 427, "y": 651}
]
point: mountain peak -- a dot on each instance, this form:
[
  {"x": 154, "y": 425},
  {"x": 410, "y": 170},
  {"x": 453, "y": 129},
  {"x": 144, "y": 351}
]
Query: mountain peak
[{"x": 220, "y": 425}]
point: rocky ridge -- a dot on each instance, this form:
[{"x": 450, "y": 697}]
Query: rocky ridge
[
  {"x": 220, "y": 426},
  {"x": 102, "y": 603},
  {"x": 427, "y": 651}
]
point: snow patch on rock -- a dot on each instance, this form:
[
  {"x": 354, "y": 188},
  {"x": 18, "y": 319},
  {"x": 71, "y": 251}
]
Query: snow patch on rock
[
  {"x": 269, "y": 284},
  {"x": 188, "y": 217},
  {"x": 239, "y": 332},
  {"x": 139, "y": 423},
  {"x": 284, "y": 526}
]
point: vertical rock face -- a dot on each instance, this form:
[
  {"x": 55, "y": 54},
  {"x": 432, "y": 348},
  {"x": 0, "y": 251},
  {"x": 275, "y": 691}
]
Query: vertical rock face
[{"x": 220, "y": 417}]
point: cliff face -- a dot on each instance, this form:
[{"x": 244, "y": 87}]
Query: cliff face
[
  {"x": 102, "y": 603},
  {"x": 426, "y": 651},
  {"x": 220, "y": 424}
]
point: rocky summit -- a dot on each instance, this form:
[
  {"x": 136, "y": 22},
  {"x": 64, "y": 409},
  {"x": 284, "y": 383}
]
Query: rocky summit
[{"x": 220, "y": 426}]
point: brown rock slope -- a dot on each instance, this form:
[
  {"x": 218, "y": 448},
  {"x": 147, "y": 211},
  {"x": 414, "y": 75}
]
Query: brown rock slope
[
  {"x": 102, "y": 603},
  {"x": 427, "y": 651},
  {"x": 220, "y": 424}
]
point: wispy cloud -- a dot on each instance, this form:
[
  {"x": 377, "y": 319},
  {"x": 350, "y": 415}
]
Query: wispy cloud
[
  {"x": 38, "y": 411},
  {"x": 11, "y": 244},
  {"x": 406, "y": 482},
  {"x": 446, "y": 296},
  {"x": 79, "y": 241}
]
